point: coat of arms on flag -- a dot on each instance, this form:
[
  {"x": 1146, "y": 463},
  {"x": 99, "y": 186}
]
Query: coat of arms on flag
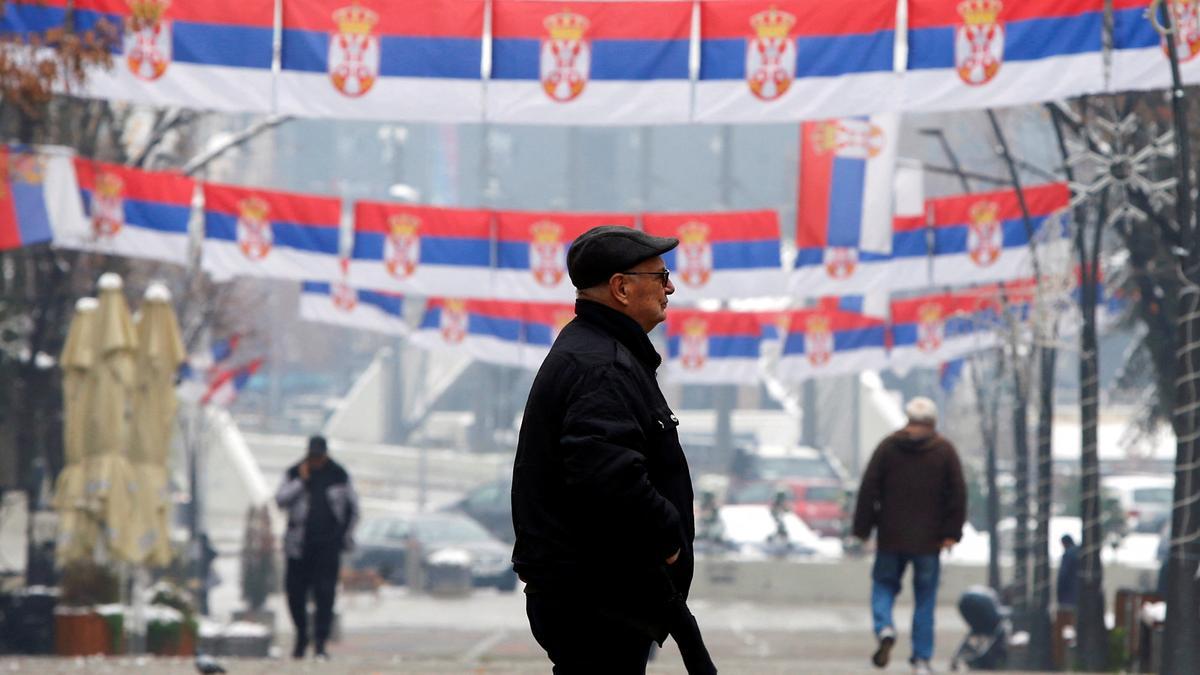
[
  {"x": 254, "y": 235},
  {"x": 818, "y": 340},
  {"x": 148, "y": 39},
  {"x": 693, "y": 344},
  {"x": 985, "y": 234},
  {"x": 771, "y": 54},
  {"x": 108, "y": 206},
  {"x": 354, "y": 51},
  {"x": 565, "y": 61},
  {"x": 931, "y": 330},
  {"x": 343, "y": 296},
  {"x": 402, "y": 246},
  {"x": 855, "y": 138},
  {"x": 547, "y": 255},
  {"x": 454, "y": 320},
  {"x": 695, "y": 253},
  {"x": 1185, "y": 17},
  {"x": 979, "y": 41}
]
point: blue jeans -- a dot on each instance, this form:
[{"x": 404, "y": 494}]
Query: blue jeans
[{"x": 885, "y": 584}]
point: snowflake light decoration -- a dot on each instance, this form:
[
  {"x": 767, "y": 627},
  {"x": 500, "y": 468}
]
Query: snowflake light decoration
[{"x": 1106, "y": 146}]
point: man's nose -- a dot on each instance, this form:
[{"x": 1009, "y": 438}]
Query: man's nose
[{"x": 670, "y": 287}]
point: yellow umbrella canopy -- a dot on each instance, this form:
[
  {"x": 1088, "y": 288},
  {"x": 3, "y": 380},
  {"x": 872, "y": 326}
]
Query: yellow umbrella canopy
[
  {"x": 159, "y": 354},
  {"x": 77, "y": 529},
  {"x": 110, "y": 386},
  {"x": 78, "y": 357}
]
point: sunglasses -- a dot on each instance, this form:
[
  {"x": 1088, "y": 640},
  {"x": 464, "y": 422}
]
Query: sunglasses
[{"x": 663, "y": 276}]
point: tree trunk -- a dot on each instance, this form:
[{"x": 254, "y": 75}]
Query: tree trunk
[
  {"x": 1181, "y": 648},
  {"x": 1040, "y": 638},
  {"x": 1021, "y": 497},
  {"x": 988, "y": 406},
  {"x": 1090, "y": 628}
]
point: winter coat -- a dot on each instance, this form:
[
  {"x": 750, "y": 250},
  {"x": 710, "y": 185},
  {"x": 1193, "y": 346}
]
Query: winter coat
[
  {"x": 913, "y": 492},
  {"x": 601, "y": 493},
  {"x": 1067, "y": 588},
  {"x": 292, "y": 496}
]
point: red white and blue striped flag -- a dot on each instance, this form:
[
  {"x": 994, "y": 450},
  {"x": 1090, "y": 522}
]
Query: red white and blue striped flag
[{"x": 590, "y": 62}]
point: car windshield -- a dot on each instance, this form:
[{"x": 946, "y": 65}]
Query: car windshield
[
  {"x": 450, "y": 530},
  {"x": 1156, "y": 496},
  {"x": 772, "y": 468},
  {"x": 822, "y": 493}
]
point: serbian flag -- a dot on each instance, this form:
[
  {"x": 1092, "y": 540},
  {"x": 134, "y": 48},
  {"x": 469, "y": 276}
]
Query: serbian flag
[
  {"x": 1139, "y": 58},
  {"x": 590, "y": 62},
  {"x": 713, "y": 347},
  {"x": 541, "y": 324},
  {"x": 486, "y": 330},
  {"x": 211, "y": 55},
  {"x": 260, "y": 233},
  {"x": 131, "y": 213},
  {"x": 340, "y": 305},
  {"x": 995, "y": 53},
  {"x": 421, "y": 250},
  {"x": 379, "y": 59},
  {"x": 824, "y": 341},
  {"x": 845, "y": 242},
  {"x": 531, "y": 254},
  {"x": 27, "y": 200},
  {"x": 929, "y": 330},
  {"x": 982, "y": 237},
  {"x": 721, "y": 255},
  {"x": 795, "y": 59},
  {"x": 228, "y": 383}
]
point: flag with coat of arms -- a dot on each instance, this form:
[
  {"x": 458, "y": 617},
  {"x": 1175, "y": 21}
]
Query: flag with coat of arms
[
  {"x": 721, "y": 255},
  {"x": 791, "y": 60},
  {"x": 376, "y": 59},
  {"x": 590, "y": 62}
]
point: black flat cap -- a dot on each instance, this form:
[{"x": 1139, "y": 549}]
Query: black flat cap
[{"x": 605, "y": 250}]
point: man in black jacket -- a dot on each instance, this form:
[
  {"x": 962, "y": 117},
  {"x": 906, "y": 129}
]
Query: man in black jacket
[
  {"x": 602, "y": 497},
  {"x": 322, "y": 511}
]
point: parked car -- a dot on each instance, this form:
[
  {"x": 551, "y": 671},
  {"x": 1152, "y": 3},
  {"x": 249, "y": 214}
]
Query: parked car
[
  {"x": 780, "y": 462},
  {"x": 1145, "y": 500},
  {"x": 490, "y": 505},
  {"x": 383, "y": 546},
  {"x": 820, "y": 503}
]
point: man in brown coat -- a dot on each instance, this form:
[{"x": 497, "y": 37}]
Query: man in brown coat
[{"x": 914, "y": 496}]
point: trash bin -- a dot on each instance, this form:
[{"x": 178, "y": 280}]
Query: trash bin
[{"x": 448, "y": 572}]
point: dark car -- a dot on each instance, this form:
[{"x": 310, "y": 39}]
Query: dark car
[
  {"x": 383, "y": 546},
  {"x": 490, "y": 505}
]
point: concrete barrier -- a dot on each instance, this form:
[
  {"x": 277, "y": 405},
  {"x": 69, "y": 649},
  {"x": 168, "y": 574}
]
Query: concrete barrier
[{"x": 848, "y": 581}]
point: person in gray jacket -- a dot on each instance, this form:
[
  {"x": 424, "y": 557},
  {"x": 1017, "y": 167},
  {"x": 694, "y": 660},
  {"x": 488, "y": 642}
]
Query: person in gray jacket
[{"x": 322, "y": 511}]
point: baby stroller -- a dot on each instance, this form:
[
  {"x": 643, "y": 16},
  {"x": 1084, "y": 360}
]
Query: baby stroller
[{"x": 986, "y": 645}]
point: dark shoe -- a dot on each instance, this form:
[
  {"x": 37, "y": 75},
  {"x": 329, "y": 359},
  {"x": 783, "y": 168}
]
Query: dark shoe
[
  {"x": 300, "y": 648},
  {"x": 887, "y": 640}
]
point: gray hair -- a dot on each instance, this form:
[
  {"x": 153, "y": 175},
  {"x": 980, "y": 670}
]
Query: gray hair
[{"x": 921, "y": 410}]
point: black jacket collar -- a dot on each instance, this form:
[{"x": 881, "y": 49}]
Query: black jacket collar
[{"x": 624, "y": 329}]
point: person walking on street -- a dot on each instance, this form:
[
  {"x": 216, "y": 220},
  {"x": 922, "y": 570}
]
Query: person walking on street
[
  {"x": 914, "y": 496},
  {"x": 1066, "y": 590},
  {"x": 601, "y": 492},
  {"x": 322, "y": 511}
]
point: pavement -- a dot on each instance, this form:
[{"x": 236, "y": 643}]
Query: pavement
[{"x": 394, "y": 631}]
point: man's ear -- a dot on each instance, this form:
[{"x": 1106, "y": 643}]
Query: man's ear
[{"x": 617, "y": 287}]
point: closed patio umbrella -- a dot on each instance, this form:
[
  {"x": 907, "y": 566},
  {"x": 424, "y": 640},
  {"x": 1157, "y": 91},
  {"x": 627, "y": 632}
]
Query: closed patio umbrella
[
  {"x": 107, "y": 421},
  {"x": 77, "y": 528},
  {"x": 160, "y": 352}
]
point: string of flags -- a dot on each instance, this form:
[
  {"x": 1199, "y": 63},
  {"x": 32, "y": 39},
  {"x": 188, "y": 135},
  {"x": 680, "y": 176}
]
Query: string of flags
[{"x": 605, "y": 63}]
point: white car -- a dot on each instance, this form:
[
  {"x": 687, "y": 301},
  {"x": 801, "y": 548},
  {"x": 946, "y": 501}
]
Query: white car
[{"x": 1146, "y": 500}]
